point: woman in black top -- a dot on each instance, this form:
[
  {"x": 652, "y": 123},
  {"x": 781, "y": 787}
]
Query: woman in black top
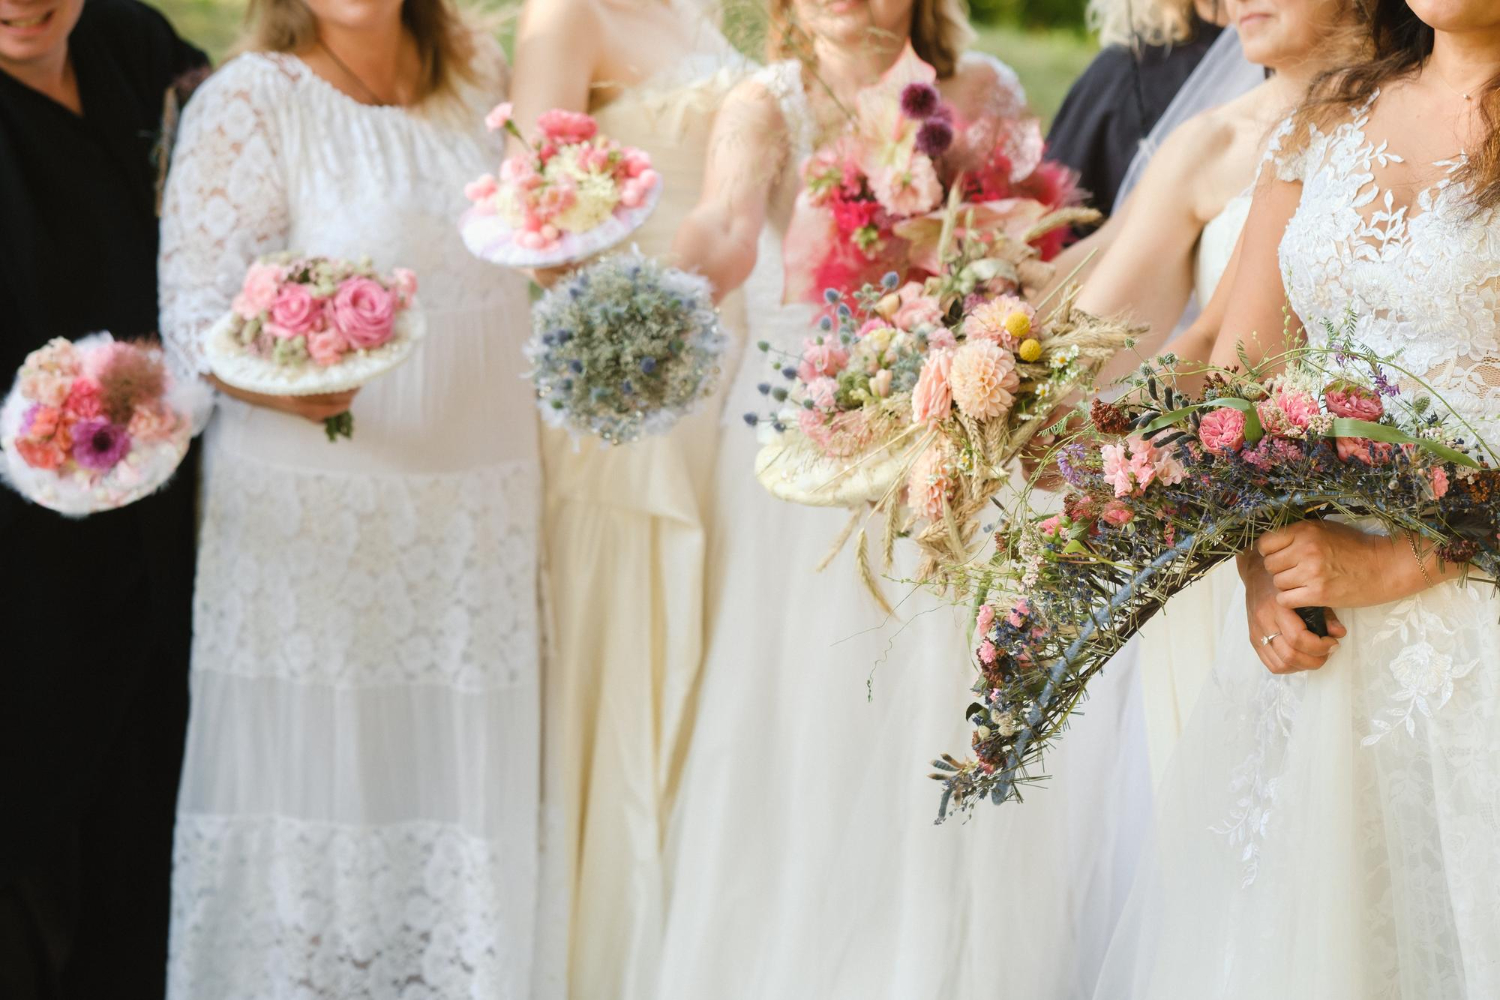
[
  {"x": 93, "y": 681},
  {"x": 1112, "y": 107}
]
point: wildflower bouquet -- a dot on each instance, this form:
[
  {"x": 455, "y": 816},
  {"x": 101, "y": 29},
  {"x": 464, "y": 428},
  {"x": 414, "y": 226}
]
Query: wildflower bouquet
[
  {"x": 624, "y": 347},
  {"x": 303, "y": 326},
  {"x": 570, "y": 195},
  {"x": 872, "y": 199},
  {"x": 1164, "y": 488},
  {"x": 95, "y": 425},
  {"x": 916, "y": 397}
]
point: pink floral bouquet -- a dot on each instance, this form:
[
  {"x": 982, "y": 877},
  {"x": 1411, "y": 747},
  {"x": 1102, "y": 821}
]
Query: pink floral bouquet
[
  {"x": 305, "y": 326},
  {"x": 572, "y": 194},
  {"x": 95, "y": 425},
  {"x": 916, "y": 397},
  {"x": 874, "y": 198}
]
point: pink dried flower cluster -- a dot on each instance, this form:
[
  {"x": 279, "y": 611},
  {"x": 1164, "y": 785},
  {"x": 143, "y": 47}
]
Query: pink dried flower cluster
[
  {"x": 1288, "y": 413},
  {"x": 292, "y": 300},
  {"x": 89, "y": 407},
  {"x": 1136, "y": 463},
  {"x": 570, "y": 179}
]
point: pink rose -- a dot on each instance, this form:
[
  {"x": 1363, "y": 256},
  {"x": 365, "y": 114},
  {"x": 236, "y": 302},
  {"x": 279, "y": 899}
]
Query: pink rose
[
  {"x": 519, "y": 172},
  {"x": 984, "y": 619},
  {"x": 827, "y": 358},
  {"x": 327, "y": 346},
  {"x": 567, "y": 127},
  {"x": 499, "y": 117},
  {"x": 823, "y": 392},
  {"x": 364, "y": 312},
  {"x": 931, "y": 399},
  {"x": 1118, "y": 515},
  {"x": 295, "y": 313},
  {"x": 259, "y": 292},
  {"x": 1051, "y": 527},
  {"x": 1353, "y": 402},
  {"x": 916, "y": 309},
  {"x": 1439, "y": 482},
  {"x": 85, "y": 400},
  {"x": 1223, "y": 430}
]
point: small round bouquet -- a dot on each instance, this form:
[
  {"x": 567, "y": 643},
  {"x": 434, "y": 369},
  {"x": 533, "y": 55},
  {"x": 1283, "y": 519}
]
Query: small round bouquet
[
  {"x": 95, "y": 425},
  {"x": 304, "y": 326},
  {"x": 569, "y": 196},
  {"x": 624, "y": 347}
]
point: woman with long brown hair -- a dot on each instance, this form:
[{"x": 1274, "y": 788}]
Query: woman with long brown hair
[
  {"x": 804, "y": 859},
  {"x": 1328, "y": 826},
  {"x": 358, "y": 813}
]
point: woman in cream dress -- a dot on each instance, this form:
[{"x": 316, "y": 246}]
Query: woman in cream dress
[
  {"x": 1185, "y": 217},
  {"x": 626, "y": 527}
]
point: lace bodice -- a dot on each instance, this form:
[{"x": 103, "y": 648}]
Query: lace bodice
[{"x": 1421, "y": 280}]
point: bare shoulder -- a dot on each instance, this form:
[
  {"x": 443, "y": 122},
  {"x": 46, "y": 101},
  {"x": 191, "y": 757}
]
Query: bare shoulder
[
  {"x": 755, "y": 102},
  {"x": 560, "y": 15}
]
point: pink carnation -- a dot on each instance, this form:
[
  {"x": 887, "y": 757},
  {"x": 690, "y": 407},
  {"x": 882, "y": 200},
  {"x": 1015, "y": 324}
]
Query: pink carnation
[
  {"x": 984, "y": 619},
  {"x": 1051, "y": 527},
  {"x": 983, "y": 380},
  {"x": 259, "y": 291},
  {"x": 482, "y": 190},
  {"x": 1353, "y": 402},
  {"x": 364, "y": 312},
  {"x": 931, "y": 399},
  {"x": 499, "y": 116},
  {"x": 987, "y": 652},
  {"x": 85, "y": 399},
  {"x": 567, "y": 127},
  {"x": 1135, "y": 464},
  {"x": 823, "y": 392},
  {"x": 826, "y": 358},
  {"x": 295, "y": 313},
  {"x": 1223, "y": 430}
]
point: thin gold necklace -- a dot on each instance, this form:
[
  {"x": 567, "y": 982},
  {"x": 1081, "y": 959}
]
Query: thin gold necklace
[
  {"x": 372, "y": 97},
  {"x": 1466, "y": 95}
]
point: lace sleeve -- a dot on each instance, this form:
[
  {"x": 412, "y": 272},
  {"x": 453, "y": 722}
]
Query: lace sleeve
[
  {"x": 1289, "y": 166},
  {"x": 225, "y": 205},
  {"x": 992, "y": 105}
]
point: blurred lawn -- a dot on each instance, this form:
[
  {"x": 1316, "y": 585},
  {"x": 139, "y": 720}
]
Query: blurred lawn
[{"x": 1047, "y": 61}]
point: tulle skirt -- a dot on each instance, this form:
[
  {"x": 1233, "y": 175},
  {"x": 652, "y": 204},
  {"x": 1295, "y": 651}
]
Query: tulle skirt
[{"x": 1335, "y": 833}]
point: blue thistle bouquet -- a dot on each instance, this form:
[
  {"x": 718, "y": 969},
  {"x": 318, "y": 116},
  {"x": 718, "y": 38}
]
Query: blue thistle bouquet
[
  {"x": 1163, "y": 488},
  {"x": 623, "y": 347}
]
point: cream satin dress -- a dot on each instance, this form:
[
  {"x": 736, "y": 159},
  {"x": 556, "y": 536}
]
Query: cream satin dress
[
  {"x": 1177, "y": 647},
  {"x": 625, "y": 539}
]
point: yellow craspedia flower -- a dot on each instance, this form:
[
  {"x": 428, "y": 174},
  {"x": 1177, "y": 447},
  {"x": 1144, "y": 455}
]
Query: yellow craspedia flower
[
  {"x": 1018, "y": 325},
  {"x": 1031, "y": 348}
]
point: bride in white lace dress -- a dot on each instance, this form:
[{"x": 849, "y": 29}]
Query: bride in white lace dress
[
  {"x": 803, "y": 856},
  {"x": 358, "y": 813},
  {"x": 1335, "y": 832}
]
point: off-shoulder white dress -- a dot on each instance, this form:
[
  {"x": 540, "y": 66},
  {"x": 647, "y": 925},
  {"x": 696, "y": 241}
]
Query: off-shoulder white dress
[{"x": 358, "y": 812}]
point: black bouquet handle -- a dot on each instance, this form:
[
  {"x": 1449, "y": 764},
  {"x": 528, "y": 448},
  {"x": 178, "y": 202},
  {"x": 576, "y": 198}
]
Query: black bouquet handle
[{"x": 1316, "y": 620}]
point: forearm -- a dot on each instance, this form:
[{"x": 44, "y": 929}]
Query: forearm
[{"x": 717, "y": 244}]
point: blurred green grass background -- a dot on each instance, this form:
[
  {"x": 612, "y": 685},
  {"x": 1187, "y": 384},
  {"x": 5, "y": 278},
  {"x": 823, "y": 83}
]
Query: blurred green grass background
[{"x": 1047, "y": 60}]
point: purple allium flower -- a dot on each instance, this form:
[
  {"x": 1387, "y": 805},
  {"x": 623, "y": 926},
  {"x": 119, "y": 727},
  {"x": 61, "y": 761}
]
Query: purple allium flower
[
  {"x": 99, "y": 444},
  {"x": 934, "y": 138},
  {"x": 919, "y": 101}
]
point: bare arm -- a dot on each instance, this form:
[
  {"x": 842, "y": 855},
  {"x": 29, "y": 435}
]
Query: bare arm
[
  {"x": 746, "y": 154},
  {"x": 557, "y": 52}
]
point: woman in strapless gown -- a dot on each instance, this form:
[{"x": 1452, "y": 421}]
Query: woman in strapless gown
[
  {"x": 625, "y": 528},
  {"x": 1174, "y": 243},
  {"x": 803, "y": 855}
]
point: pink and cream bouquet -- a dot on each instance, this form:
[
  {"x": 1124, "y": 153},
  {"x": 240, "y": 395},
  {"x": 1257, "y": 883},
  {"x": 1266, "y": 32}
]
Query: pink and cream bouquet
[
  {"x": 874, "y": 198},
  {"x": 95, "y": 425},
  {"x": 569, "y": 195},
  {"x": 916, "y": 397},
  {"x": 305, "y": 326}
]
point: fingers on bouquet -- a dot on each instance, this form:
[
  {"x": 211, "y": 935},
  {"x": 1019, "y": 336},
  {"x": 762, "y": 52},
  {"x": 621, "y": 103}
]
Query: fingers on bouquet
[
  {"x": 308, "y": 326},
  {"x": 569, "y": 195},
  {"x": 1163, "y": 487},
  {"x": 95, "y": 425},
  {"x": 624, "y": 347}
]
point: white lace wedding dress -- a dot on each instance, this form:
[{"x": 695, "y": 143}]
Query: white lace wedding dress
[
  {"x": 358, "y": 813},
  {"x": 1337, "y": 833},
  {"x": 804, "y": 857}
]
